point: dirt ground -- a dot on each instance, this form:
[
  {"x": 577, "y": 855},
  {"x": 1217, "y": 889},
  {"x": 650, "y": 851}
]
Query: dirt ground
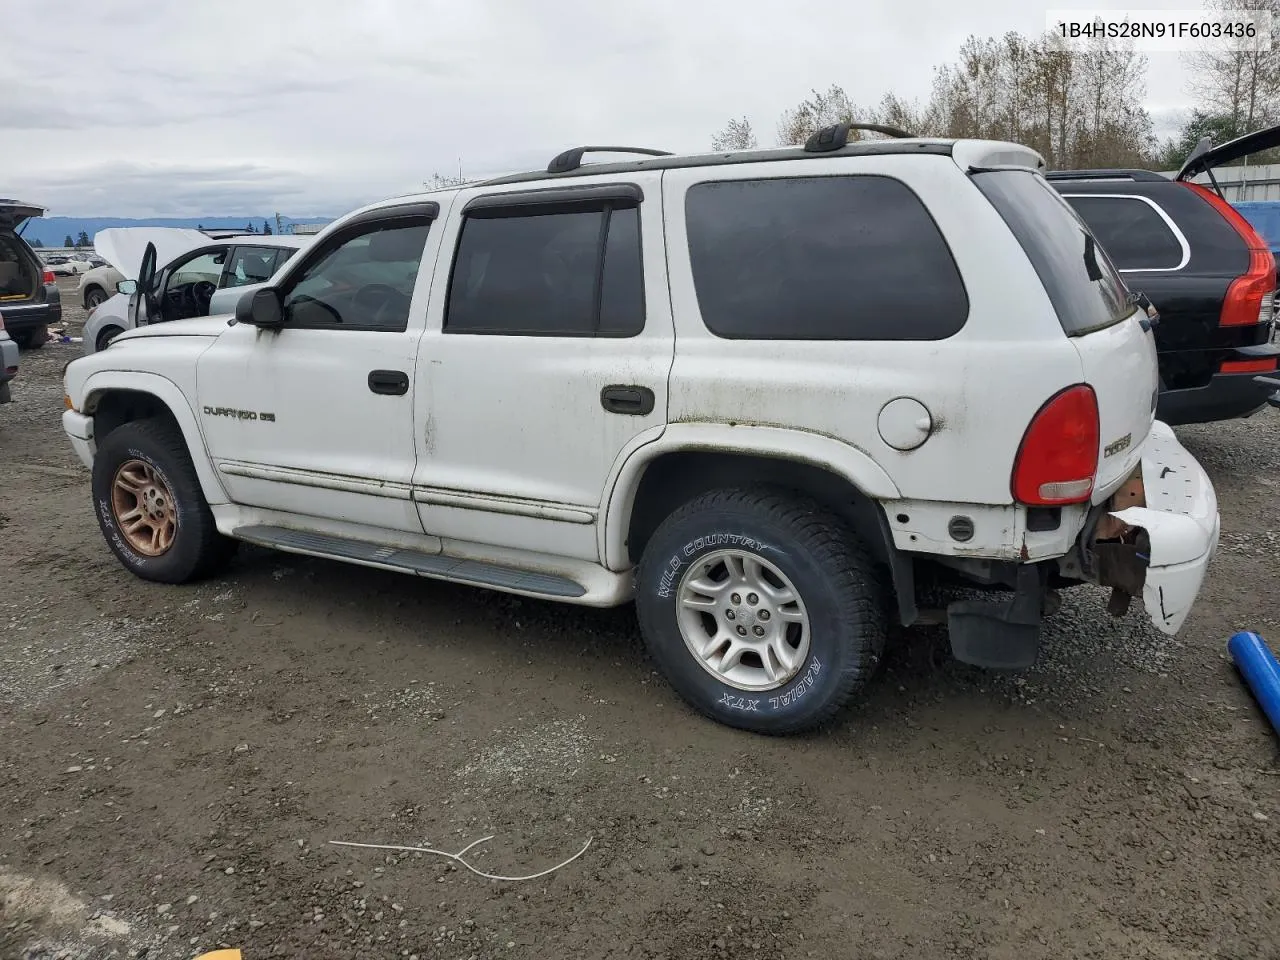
[{"x": 175, "y": 762}]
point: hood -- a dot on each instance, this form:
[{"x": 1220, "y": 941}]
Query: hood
[
  {"x": 14, "y": 213},
  {"x": 194, "y": 327},
  {"x": 1205, "y": 156},
  {"x": 122, "y": 247}
]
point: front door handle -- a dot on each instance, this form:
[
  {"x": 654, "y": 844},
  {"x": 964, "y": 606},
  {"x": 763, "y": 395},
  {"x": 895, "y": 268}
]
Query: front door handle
[
  {"x": 391, "y": 382},
  {"x": 627, "y": 399}
]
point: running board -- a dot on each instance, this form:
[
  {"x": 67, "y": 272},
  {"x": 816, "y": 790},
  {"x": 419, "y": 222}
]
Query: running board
[{"x": 412, "y": 561}]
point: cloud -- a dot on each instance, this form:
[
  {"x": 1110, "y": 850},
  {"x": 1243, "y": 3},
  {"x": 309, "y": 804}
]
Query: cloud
[{"x": 314, "y": 106}]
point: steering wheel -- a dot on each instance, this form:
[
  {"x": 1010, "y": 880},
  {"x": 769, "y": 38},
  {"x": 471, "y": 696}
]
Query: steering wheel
[
  {"x": 303, "y": 300},
  {"x": 377, "y": 297},
  {"x": 201, "y": 292}
]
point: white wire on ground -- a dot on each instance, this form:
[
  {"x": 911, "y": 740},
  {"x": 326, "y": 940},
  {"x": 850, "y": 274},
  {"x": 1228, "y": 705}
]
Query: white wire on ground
[{"x": 457, "y": 857}]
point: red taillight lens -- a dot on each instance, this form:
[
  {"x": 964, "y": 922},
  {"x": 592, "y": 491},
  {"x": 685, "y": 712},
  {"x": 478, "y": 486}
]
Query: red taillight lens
[
  {"x": 1251, "y": 297},
  {"x": 49, "y": 277},
  {"x": 1248, "y": 366},
  {"x": 1058, "y": 457}
]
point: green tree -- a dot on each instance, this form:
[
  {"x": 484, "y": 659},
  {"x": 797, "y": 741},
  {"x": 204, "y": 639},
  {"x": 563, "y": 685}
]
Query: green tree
[
  {"x": 83, "y": 240},
  {"x": 37, "y": 244},
  {"x": 266, "y": 229},
  {"x": 67, "y": 241}
]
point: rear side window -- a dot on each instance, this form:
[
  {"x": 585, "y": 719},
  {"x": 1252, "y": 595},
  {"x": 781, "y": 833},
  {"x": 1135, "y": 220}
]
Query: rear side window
[
  {"x": 1082, "y": 283},
  {"x": 568, "y": 270},
  {"x": 821, "y": 258},
  {"x": 1132, "y": 231}
]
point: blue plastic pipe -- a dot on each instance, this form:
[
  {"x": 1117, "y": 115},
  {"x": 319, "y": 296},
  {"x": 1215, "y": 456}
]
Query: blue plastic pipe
[{"x": 1261, "y": 672}]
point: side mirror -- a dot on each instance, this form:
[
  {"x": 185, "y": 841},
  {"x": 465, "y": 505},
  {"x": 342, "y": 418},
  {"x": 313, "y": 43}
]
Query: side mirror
[
  {"x": 128, "y": 287},
  {"x": 260, "y": 308}
]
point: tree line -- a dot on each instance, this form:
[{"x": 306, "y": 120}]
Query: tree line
[{"x": 1079, "y": 108}]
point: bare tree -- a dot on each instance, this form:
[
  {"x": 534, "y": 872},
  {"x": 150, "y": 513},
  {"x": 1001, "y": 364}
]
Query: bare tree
[
  {"x": 441, "y": 181},
  {"x": 1243, "y": 85},
  {"x": 820, "y": 110},
  {"x": 737, "y": 135}
]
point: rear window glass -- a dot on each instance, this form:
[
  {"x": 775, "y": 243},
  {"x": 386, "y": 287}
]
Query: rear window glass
[
  {"x": 821, "y": 258},
  {"x": 1082, "y": 283},
  {"x": 1131, "y": 230}
]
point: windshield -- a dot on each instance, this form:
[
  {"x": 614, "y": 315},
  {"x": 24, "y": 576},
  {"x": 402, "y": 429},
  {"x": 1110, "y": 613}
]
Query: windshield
[{"x": 1084, "y": 286}]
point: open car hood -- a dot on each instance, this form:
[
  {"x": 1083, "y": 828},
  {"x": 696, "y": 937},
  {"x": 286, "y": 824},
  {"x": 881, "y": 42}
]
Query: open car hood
[
  {"x": 1205, "y": 156},
  {"x": 122, "y": 247},
  {"x": 14, "y": 213}
]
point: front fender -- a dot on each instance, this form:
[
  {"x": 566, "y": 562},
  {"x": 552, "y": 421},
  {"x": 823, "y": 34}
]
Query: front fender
[
  {"x": 167, "y": 392},
  {"x": 815, "y": 449}
]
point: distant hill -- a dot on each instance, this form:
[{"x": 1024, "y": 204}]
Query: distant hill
[{"x": 52, "y": 231}]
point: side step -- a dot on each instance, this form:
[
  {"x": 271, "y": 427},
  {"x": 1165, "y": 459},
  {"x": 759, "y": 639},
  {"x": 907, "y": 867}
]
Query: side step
[{"x": 412, "y": 561}]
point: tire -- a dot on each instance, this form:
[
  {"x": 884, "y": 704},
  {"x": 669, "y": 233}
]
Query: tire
[
  {"x": 153, "y": 458},
  {"x": 105, "y": 337},
  {"x": 842, "y": 603},
  {"x": 32, "y": 339},
  {"x": 94, "y": 297}
]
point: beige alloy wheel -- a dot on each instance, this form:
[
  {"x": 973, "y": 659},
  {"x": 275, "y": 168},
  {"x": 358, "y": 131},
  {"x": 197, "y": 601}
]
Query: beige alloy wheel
[{"x": 143, "y": 508}]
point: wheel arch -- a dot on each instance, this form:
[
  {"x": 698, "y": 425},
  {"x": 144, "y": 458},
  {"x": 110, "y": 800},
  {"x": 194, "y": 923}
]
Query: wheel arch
[{"x": 115, "y": 398}]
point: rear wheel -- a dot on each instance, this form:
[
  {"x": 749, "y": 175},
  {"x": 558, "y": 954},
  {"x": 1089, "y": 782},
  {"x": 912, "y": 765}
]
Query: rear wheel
[
  {"x": 32, "y": 339},
  {"x": 761, "y": 609},
  {"x": 150, "y": 507},
  {"x": 94, "y": 298}
]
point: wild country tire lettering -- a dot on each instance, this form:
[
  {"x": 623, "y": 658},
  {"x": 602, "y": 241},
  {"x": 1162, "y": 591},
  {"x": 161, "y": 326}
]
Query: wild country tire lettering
[{"x": 668, "y": 577}]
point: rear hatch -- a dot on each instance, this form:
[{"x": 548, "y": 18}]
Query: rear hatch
[
  {"x": 14, "y": 213},
  {"x": 1109, "y": 332}
]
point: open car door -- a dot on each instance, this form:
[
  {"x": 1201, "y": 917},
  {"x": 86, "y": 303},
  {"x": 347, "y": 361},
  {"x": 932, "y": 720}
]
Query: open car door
[{"x": 142, "y": 300}]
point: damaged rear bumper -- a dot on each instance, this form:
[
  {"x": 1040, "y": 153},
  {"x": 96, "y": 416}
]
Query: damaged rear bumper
[{"x": 1158, "y": 533}]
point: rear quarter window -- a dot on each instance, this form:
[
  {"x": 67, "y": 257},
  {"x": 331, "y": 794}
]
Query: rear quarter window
[
  {"x": 1133, "y": 231},
  {"x": 1083, "y": 285},
  {"x": 821, "y": 258}
]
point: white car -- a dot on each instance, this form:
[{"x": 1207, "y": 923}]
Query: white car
[
  {"x": 764, "y": 395},
  {"x": 187, "y": 272},
  {"x": 66, "y": 266},
  {"x": 98, "y": 285}
]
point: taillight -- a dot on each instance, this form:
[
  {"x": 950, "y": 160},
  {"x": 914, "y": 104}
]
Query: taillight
[
  {"x": 1251, "y": 297},
  {"x": 1058, "y": 457},
  {"x": 1248, "y": 366},
  {"x": 49, "y": 277}
]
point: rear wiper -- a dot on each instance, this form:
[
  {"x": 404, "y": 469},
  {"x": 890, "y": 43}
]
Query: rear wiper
[{"x": 1136, "y": 298}]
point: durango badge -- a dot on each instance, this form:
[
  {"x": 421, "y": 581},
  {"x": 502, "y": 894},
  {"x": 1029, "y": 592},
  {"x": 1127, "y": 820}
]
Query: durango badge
[
  {"x": 1115, "y": 446},
  {"x": 239, "y": 414}
]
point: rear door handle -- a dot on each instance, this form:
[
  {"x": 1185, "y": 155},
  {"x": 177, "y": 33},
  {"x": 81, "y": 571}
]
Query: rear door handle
[
  {"x": 627, "y": 399},
  {"x": 391, "y": 382}
]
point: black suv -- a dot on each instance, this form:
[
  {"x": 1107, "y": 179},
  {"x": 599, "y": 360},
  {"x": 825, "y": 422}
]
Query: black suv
[
  {"x": 1210, "y": 275},
  {"x": 29, "y": 297}
]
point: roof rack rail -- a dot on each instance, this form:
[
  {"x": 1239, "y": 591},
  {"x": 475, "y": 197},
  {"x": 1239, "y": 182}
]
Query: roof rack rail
[
  {"x": 1118, "y": 174},
  {"x": 837, "y": 135},
  {"x": 572, "y": 159}
]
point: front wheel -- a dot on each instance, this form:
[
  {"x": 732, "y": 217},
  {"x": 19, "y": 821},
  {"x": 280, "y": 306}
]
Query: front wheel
[
  {"x": 762, "y": 610},
  {"x": 106, "y": 336},
  {"x": 150, "y": 507}
]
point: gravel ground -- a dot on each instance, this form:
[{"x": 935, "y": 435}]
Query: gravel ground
[{"x": 174, "y": 762}]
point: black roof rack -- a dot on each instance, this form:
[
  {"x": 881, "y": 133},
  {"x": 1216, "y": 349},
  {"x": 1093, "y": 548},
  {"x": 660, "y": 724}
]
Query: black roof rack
[
  {"x": 1146, "y": 176},
  {"x": 572, "y": 159},
  {"x": 858, "y": 148},
  {"x": 837, "y": 135}
]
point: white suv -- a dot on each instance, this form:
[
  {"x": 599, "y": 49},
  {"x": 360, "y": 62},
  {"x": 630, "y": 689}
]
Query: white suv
[{"x": 766, "y": 395}]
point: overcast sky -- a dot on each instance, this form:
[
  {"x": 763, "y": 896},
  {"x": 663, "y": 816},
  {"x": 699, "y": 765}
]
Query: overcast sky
[{"x": 312, "y": 107}]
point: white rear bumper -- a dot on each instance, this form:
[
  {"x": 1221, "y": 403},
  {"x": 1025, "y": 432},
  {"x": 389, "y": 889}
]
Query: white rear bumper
[{"x": 1181, "y": 520}]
